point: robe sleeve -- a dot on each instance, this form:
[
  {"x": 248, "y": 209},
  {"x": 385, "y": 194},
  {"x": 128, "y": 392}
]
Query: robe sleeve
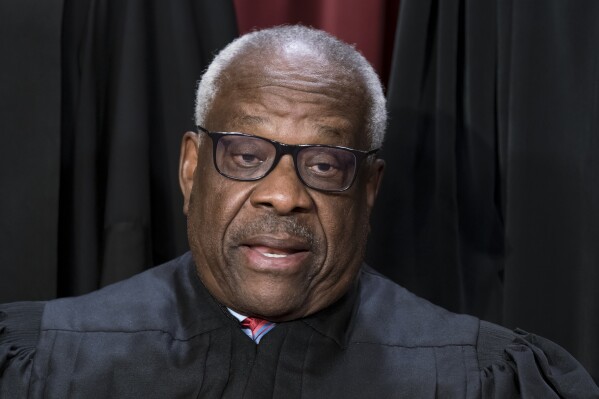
[
  {"x": 19, "y": 333},
  {"x": 516, "y": 364}
]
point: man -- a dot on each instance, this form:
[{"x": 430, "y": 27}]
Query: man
[{"x": 274, "y": 300}]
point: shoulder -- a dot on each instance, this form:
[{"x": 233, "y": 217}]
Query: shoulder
[
  {"x": 510, "y": 363},
  {"x": 152, "y": 300},
  {"x": 405, "y": 319},
  {"x": 19, "y": 334},
  {"x": 515, "y": 361}
]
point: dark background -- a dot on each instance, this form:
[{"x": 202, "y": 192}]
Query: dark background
[{"x": 490, "y": 202}]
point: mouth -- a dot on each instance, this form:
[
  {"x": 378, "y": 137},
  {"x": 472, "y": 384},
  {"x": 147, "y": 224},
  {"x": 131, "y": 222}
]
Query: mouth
[{"x": 279, "y": 253}]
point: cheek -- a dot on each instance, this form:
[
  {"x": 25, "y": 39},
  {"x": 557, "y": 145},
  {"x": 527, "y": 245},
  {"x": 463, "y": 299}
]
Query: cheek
[
  {"x": 214, "y": 203},
  {"x": 345, "y": 225}
]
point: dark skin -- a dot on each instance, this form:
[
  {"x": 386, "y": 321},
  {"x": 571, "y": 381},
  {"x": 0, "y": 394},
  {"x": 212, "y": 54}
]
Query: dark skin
[{"x": 274, "y": 248}]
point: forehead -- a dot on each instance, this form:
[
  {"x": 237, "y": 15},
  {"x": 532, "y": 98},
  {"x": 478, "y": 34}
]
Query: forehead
[{"x": 290, "y": 90}]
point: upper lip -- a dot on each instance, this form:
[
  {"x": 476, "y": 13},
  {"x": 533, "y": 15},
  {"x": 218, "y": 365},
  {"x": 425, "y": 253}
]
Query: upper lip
[{"x": 288, "y": 243}]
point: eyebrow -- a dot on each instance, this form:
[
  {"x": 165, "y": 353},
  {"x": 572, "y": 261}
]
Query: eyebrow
[
  {"x": 328, "y": 130},
  {"x": 254, "y": 120},
  {"x": 251, "y": 120}
]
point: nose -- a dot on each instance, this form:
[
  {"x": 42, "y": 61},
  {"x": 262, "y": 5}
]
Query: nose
[{"x": 282, "y": 190}]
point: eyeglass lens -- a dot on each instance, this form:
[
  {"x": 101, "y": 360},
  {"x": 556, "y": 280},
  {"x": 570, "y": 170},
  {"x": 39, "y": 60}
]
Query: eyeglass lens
[{"x": 251, "y": 158}]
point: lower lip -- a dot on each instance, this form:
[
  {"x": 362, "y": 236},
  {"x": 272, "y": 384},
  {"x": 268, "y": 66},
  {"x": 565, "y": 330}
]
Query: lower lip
[{"x": 260, "y": 262}]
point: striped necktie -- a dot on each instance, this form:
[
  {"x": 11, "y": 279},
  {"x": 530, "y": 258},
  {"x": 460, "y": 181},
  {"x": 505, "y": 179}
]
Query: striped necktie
[{"x": 257, "y": 327}]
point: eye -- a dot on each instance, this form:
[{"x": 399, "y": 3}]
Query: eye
[
  {"x": 247, "y": 160},
  {"x": 326, "y": 167},
  {"x": 322, "y": 165},
  {"x": 244, "y": 153}
]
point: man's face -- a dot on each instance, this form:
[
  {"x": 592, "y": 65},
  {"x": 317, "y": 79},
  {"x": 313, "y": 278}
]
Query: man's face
[{"x": 274, "y": 248}]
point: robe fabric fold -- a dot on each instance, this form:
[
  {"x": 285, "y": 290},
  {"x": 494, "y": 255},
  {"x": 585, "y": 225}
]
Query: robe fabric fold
[{"x": 160, "y": 334}]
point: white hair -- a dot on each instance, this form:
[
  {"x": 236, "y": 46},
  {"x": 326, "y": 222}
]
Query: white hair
[{"x": 285, "y": 37}]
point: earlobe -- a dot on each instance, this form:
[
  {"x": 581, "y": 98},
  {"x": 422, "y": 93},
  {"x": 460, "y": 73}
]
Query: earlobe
[
  {"x": 374, "y": 181},
  {"x": 187, "y": 166}
]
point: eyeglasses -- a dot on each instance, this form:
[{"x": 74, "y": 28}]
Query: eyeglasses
[{"x": 245, "y": 157}]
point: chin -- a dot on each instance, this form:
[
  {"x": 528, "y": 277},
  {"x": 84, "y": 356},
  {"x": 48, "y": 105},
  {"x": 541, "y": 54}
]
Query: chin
[{"x": 273, "y": 309}]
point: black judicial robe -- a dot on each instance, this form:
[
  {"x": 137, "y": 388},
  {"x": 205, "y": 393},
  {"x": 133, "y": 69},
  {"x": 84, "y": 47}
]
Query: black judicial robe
[{"x": 161, "y": 335}]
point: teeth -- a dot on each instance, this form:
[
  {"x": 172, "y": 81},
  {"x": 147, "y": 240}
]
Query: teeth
[{"x": 274, "y": 255}]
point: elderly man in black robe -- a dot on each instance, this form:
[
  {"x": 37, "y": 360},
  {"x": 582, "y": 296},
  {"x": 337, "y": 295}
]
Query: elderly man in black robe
[{"x": 274, "y": 300}]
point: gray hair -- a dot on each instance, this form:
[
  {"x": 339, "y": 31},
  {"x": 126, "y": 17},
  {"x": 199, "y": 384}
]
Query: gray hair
[{"x": 331, "y": 48}]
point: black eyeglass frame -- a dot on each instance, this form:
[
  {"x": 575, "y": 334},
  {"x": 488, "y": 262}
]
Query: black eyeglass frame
[{"x": 284, "y": 149}]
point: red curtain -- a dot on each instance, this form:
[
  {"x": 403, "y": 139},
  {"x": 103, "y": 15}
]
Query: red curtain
[{"x": 370, "y": 25}]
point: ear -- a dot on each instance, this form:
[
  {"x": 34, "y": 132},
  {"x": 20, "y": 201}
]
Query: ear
[
  {"x": 375, "y": 177},
  {"x": 187, "y": 166}
]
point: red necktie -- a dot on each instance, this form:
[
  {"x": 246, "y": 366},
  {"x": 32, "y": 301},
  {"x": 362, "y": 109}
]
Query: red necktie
[{"x": 258, "y": 327}]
